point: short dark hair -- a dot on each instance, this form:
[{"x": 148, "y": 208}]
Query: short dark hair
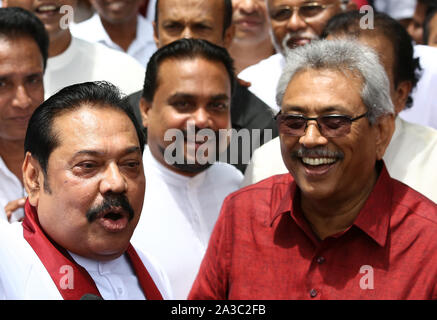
[
  {"x": 185, "y": 49},
  {"x": 17, "y": 22},
  {"x": 428, "y": 2},
  {"x": 406, "y": 67},
  {"x": 227, "y": 19},
  {"x": 40, "y": 139},
  {"x": 430, "y": 14}
]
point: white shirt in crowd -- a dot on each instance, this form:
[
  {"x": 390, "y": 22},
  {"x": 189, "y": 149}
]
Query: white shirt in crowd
[
  {"x": 24, "y": 277},
  {"x": 264, "y": 77},
  {"x": 142, "y": 48},
  {"x": 424, "y": 109},
  {"x": 10, "y": 189},
  {"x": 397, "y": 9},
  {"x": 410, "y": 158},
  {"x": 178, "y": 216},
  {"x": 85, "y": 61}
]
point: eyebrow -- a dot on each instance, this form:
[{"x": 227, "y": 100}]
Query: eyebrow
[
  {"x": 220, "y": 96},
  {"x": 97, "y": 153},
  {"x": 327, "y": 109}
]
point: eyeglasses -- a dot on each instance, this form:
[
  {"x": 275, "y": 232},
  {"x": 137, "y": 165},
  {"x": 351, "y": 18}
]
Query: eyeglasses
[
  {"x": 306, "y": 11},
  {"x": 330, "y": 126}
]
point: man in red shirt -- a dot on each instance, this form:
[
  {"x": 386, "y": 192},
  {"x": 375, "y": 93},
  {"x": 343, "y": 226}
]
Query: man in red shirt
[{"x": 338, "y": 227}]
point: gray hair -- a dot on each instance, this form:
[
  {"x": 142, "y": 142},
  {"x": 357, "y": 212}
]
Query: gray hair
[{"x": 342, "y": 56}]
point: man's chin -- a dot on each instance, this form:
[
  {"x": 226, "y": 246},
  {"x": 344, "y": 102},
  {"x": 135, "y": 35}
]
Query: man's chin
[{"x": 191, "y": 168}]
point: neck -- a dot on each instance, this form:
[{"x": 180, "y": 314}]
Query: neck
[
  {"x": 60, "y": 43},
  {"x": 247, "y": 54},
  {"x": 330, "y": 216},
  {"x": 12, "y": 153},
  {"x": 122, "y": 33}
]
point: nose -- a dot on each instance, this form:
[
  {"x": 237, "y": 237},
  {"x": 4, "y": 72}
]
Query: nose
[
  {"x": 21, "y": 99},
  {"x": 312, "y": 137},
  {"x": 247, "y": 6},
  {"x": 295, "y": 22},
  {"x": 187, "y": 33},
  {"x": 112, "y": 180},
  {"x": 201, "y": 118}
]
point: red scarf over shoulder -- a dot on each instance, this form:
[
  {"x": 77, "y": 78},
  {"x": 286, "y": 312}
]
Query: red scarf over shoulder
[{"x": 56, "y": 260}]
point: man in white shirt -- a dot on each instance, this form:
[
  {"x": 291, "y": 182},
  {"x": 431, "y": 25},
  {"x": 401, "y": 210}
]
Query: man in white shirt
[
  {"x": 85, "y": 181},
  {"x": 119, "y": 26},
  {"x": 72, "y": 60},
  {"x": 290, "y": 27},
  {"x": 252, "y": 41},
  {"x": 412, "y": 152},
  {"x": 23, "y": 57},
  {"x": 185, "y": 106},
  {"x": 212, "y": 20}
]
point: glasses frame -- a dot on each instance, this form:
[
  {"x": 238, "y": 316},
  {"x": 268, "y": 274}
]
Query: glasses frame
[
  {"x": 317, "y": 119},
  {"x": 293, "y": 8}
]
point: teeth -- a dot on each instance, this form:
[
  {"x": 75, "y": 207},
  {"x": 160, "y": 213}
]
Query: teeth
[
  {"x": 47, "y": 7},
  {"x": 317, "y": 161}
]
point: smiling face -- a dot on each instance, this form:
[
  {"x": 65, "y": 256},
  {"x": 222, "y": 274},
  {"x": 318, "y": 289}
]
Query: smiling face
[
  {"x": 91, "y": 198},
  {"x": 251, "y": 21},
  {"x": 21, "y": 85},
  {"x": 298, "y": 30},
  {"x": 117, "y": 11},
  {"x": 48, "y": 11},
  {"x": 345, "y": 165},
  {"x": 195, "y": 91},
  {"x": 191, "y": 19}
]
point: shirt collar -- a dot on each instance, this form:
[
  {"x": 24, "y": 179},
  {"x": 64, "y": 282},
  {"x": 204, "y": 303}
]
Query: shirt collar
[{"x": 373, "y": 218}]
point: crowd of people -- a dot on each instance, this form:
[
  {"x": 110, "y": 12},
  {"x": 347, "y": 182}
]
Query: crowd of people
[{"x": 218, "y": 149}]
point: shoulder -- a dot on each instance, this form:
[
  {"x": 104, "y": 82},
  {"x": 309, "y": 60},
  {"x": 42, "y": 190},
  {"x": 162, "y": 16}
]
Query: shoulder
[
  {"x": 224, "y": 172},
  {"x": 415, "y": 204},
  {"x": 275, "y": 61},
  {"x": 273, "y": 145},
  {"x": 157, "y": 273},
  {"x": 427, "y": 55},
  {"x": 85, "y": 28},
  {"x": 267, "y": 192}
]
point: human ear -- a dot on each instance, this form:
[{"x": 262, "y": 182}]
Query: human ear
[
  {"x": 33, "y": 178},
  {"x": 385, "y": 128},
  {"x": 402, "y": 92},
  {"x": 145, "y": 107}
]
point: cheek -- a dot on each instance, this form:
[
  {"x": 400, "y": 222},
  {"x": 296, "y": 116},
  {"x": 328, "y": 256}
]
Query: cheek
[{"x": 279, "y": 31}]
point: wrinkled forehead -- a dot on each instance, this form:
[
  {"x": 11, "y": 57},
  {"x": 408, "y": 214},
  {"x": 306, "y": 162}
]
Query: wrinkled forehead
[
  {"x": 93, "y": 125},
  {"x": 298, "y": 2},
  {"x": 191, "y": 9}
]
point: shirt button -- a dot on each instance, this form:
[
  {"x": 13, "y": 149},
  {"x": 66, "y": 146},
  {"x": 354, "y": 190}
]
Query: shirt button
[
  {"x": 313, "y": 293},
  {"x": 320, "y": 260}
]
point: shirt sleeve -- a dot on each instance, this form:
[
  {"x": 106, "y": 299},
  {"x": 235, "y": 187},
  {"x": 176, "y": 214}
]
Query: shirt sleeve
[{"x": 213, "y": 277}]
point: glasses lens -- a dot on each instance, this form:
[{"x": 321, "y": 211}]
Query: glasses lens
[
  {"x": 291, "y": 125},
  {"x": 310, "y": 10},
  {"x": 281, "y": 13},
  {"x": 335, "y": 126}
]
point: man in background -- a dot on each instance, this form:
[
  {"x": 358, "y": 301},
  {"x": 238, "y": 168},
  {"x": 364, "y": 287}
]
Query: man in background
[
  {"x": 23, "y": 58},
  {"x": 293, "y": 23},
  {"x": 252, "y": 42},
  {"x": 212, "y": 20},
  {"x": 72, "y": 60},
  {"x": 119, "y": 26},
  {"x": 186, "y": 104}
]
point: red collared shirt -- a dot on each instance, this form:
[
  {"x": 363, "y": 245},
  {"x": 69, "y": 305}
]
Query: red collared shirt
[{"x": 263, "y": 248}]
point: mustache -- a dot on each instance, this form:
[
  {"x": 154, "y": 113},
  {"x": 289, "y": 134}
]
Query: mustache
[
  {"x": 109, "y": 203},
  {"x": 318, "y": 152},
  {"x": 296, "y": 35}
]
